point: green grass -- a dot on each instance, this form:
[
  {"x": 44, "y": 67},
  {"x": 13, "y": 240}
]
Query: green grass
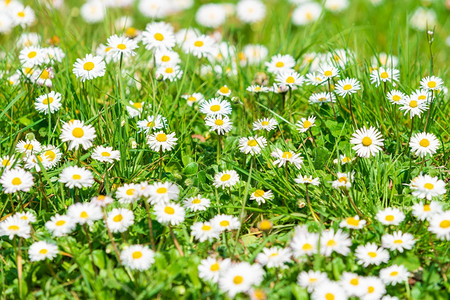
[{"x": 379, "y": 181}]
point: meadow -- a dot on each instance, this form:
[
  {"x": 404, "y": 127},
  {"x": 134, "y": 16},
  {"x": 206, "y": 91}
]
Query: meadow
[{"x": 193, "y": 149}]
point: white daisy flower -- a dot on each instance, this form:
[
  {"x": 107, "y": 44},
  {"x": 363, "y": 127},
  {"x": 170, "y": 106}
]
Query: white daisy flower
[
  {"x": 396, "y": 97},
  {"x": 105, "y": 154},
  {"x": 169, "y": 213},
  {"x": 367, "y": 142},
  {"x": 226, "y": 179},
  {"x": 42, "y": 250},
  {"x": 413, "y": 107},
  {"x": 84, "y": 213},
  {"x": 423, "y": 211},
  {"x": 28, "y": 147},
  {"x": 240, "y": 277},
  {"x": 329, "y": 290},
  {"x": 77, "y": 133},
  {"x": 304, "y": 243},
  {"x": 162, "y": 192},
  {"x": 7, "y": 162},
  {"x": 135, "y": 108},
  {"x": 74, "y": 176},
  {"x": 219, "y": 123},
  {"x": 215, "y": 106},
  {"x": 128, "y": 193},
  {"x": 440, "y": 225},
  {"x": 52, "y": 154},
  {"x": 432, "y": 83},
  {"x": 160, "y": 141},
  {"x": 304, "y": 124},
  {"x": 306, "y": 13},
  {"x": 166, "y": 57},
  {"x": 398, "y": 241},
  {"x": 425, "y": 186},
  {"x": 154, "y": 9},
  {"x": 252, "y": 145},
  {"x": 284, "y": 157},
  {"x": 352, "y": 223},
  {"x": 15, "y": 226},
  {"x": 224, "y": 91},
  {"x": 199, "y": 46},
  {"x": 280, "y": 63},
  {"x": 311, "y": 279},
  {"x": 121, "y": 46},
  {"x": 257, "y": 89},
  {"x": 250, "y": 11},
  {"x": 384, "y": 75},
  {"x": 225, "y": 222},
  {"x": 253, "y": 54},
  {"x": 344, "y": 181},
  {"x": 210, "y": 15},
  {"x": 267, "y": 124},
  {"x": 321, "y": 98},
  {"x": 60, "y": 225},
  {"x": 394, "y": 274},
  {"x": 347, "y": 86},
  {"x": 28, "y": 216},
  {"x": 193, "y": 98},
  {"x": 291, "y": 79},
  {"x": 137, "y": 257},
  {"x": 314, "y": 79},
  {"x": 261, "y": 196},
  {"x": 48, "y": 103},
  {"x": 31, "y": 56},
  {"x": 203, "y": 231},
  {"x": 328, "y": 71},
  {"x": 343, "y": 159},
  {"x": 424, "y": 143},
  {"x": 172, "y": 73},
  {"x": 352, "y": 284},
  {"x": 210, "y": 268},
  {"x": 102, "y": 200},
  {"x": 93, "y": 11},
  {"x": 17, "y": 179},
  {"x": 274, "y": 257},
  {"x": 305, "y": 179},
  {"x": 371, "y": 254},
  {"x": 374, "y": 288},
  {"x": 119, "y": 219},
  {"x": 197, "y": 203},
  {"x": 89, "y": 67},
  {"x": 390, "y": 216},
  {"x": 158, "y": 35},
  {"x": 335, "y": 241}
]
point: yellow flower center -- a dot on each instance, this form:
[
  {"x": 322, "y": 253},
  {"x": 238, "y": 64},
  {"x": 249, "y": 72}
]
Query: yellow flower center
[
  {"x": 224, "y": 90},
  {"x": 218, "y": 122},
  {"x": 215, "y": 267},
  {"x": 396, "y": 98},
  {"x": 238, "y": 279},
  {"x": 384, "y": 75},
  {"x": 290, "y": 80},
  {"x": 21, "y": 14},
  {"x": 428, "y": 186},
  {"x": 331, "y": 243},
  {"x": 130, "y": 192},
  {"x": 354, "y": 281},
  {"x": 347, "y": 87},
  {"x": 346, "y": 159},
  {"x": 50, "y": 155},
  {"x": 426, "y": 207},
  {"x": 76, "y": 177},
  {"x": 307, "y": 247},
  {"x": 372, "y": 254},
  {"x": 101, "y": 198},
  {"x": 169, "y": 70},
  {"x": 169, "y": 210},
  {"x": 83, "y": 215},
  {"x": 43, "y": 251},
  {"x": 445, "y": 224},
  {"x": 118, "y": 218},
  {"x": 136, "y": 254},
  {"x": 265, "y": 225},
  {"x": 215, "y": 107},
  {"x": 371, "y": 289},
  {"x": 431, "y": 84},
  {"x": 225, "y": 177},
  {"x": 122, "y": 46},
  {"x": 48, "y": 100},
  {"x": 286, "y": 155},
  {"x": 44, "y": 75},
  {"x": 398, "y": 242},
  {"x": 259, "y": 193},
  {"x": 161, "y": 190},
  {"x": 307, "y": 124},
  {"x": 389, "y": 218},
  {"x": 312, "y": 279},
  {"x": 196, "y": 201},
  {"x": 158, "y": 37},
  {"x": 198, "y": 43},
  {"x": 344, "y": 179},
  {"x": 60, "y": 223},
  {"x": 192, "y": 99},
  {"x": 394, "y": 273},
  {"x": 88, "y": 66},
  {"x": 328, "y": 73},
  {"x": 206, "y": 228},
  {"x": 31, "y": 54},
  {"x": 329, "y": 296},
  {"x": 28, "y": 147},
  {"x": 224, "y": 223},
  {"x": 131, "y": 32},
  {"x": 16, "y": 181},
  {"x": 252, "y": 143},
  {"x": 424, "y": 143},
  {"x": 422, "y": 97},
  {"x": 6, "y": 162},
  {"x": 13, "y": 228},
  {"x": 78, "y": 132},
  {"x": 413, "y": 103},
  {"x": 264, "y": 123},
  {"x": 279, "y": 64},
  {"x": 367, "y": 141},
  {"x": 161, "y": 137}
]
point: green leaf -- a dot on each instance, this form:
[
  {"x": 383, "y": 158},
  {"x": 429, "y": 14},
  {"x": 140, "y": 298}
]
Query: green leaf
[{"x": 191, "y": 169}]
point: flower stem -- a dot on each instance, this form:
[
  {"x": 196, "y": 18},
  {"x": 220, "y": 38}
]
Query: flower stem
[
  {"x": 315, "y": 217},
  {"x": 354, "y": 205},
  {"x": 150, "y": 226},
  {"x": 19, "y": 267},
  {"x": 175, "y": 241},
  {"x": 111, "y": 237},
  {"x": 331, "y": 99}
]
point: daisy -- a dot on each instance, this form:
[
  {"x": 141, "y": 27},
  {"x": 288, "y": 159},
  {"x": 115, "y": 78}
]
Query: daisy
[
  {"x": 6, "y": 23},
  {"x": 304, "y": 124},
  {"x": 311, "y": 279},
  {"x": 396, "y": 97},
  {"x": 169, "y": 213},
  {"x": 413, "y": 107},
  {"x": 102, "y": 200},
  {"x": 60, "y": 225},
  {"x": 370, "y": 254},
  {"x": 84, "y": 213},
  {"x": 420, "y": 96},
  {"x": 343, "y": 159},
  {"x": 252, "y": 145},
  {"x": 304, "y": 243},
  {"x": 75, "y": 176},
  {"x": 15, "y": 226},
  {"x": 226, "y": 178},
  {"x": 337, "y": 241},
  {"x": 121, "y": 46},
  {"x": 53, "y": 55},
  {"x": 390, "y": 216},
  {"x": 431, "y": 83},
  {"x": 203, "y": 231},
  {"x": 215, "y": 106},
  {"x": 225, "y": 222},
  {"x": 31, "y": 56},
  {"x": 267, "y": 124},
  {"x": 89, "y": 67},
  {"x": 291, "y": 79},
  {"x": 250, "y": 11},
  {"x": 128, "y": 193},
  {"x": 219, "y": 123},
  {"x": 162, "y": 192},
  {"x": 22, "y": 15},
  {"x": 199, "y": 46},
  {"x": 42, "y": 250},
  {"x": 398, "y": 241},
  {"x": 240, "y": 277},
  {"x": 440, "y": 225},
  {"x": 224, "y": 91},
  {"x": 210, "y": 15},
  {"x": 154, "y": 9},
  {"x": 344, "y": 181},
  {"x": 321, "y": 98},
  {"x": 284, "y": 157},
  {"x": 43, "y": 77},
  {"x": 424, "y": 143},
  {"x": 14, "y": 180},
  {"x": 329, "y": 290},
  {"x": 36, "y": 161},
  {"x": 374, "y": 288},
  {"x": 137, "y": 257},
  {"x": 425, "y": 186},
  {"x": 384, "y": 59},
  {"x": 347, "y": 86},
  {"x": 48, "y": 103},
  {"x": 7, "y": 161},
  {"x": 274, "y": 257},
  {"x": 197, "y": 203},
  {"x": 367, "y": 142},
  {"x": 338, "y": 57},
  {"x": 328, "y": 71},
  {"x": 158, "y": 35},
  {"x": 93, "y": 11},
  {"x": 394, "y": 274},
  {"x": 160, "y": 141},
  {"x": 261, "y": 196},
  {"x": 423, "y": 211},
  {"x": 253, "y": 54},
  {"x": 314, "y": 79},
  {"x": 280, "y": 63},
  {"x": 307, "y": 180},
  {"x": 352, "y": 284},
  {"x": 28, "y": 146},
  {"x": 172, "y": 73},
  {"x": 28, "y": 216},
  {"x": 52, "y": 154},
  {"x": 166, "y": 58},
  {"x": 105, "y": 154},
  {"x": 306, "y": 13},
  {"x": 384, "y": 75},
  {"x": 135, "y": 108},
  {"x": 257, "y": 89},
  {"x": 77, "y": 133},
  {"x": 119, "y": 219},
  {"x": 210, "y": 268},
  {"x": 193, "y": 98}
]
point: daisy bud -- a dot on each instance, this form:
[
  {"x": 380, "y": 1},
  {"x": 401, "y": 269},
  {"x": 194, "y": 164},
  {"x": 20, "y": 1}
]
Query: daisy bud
[{"x": 30, "y": 136}]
